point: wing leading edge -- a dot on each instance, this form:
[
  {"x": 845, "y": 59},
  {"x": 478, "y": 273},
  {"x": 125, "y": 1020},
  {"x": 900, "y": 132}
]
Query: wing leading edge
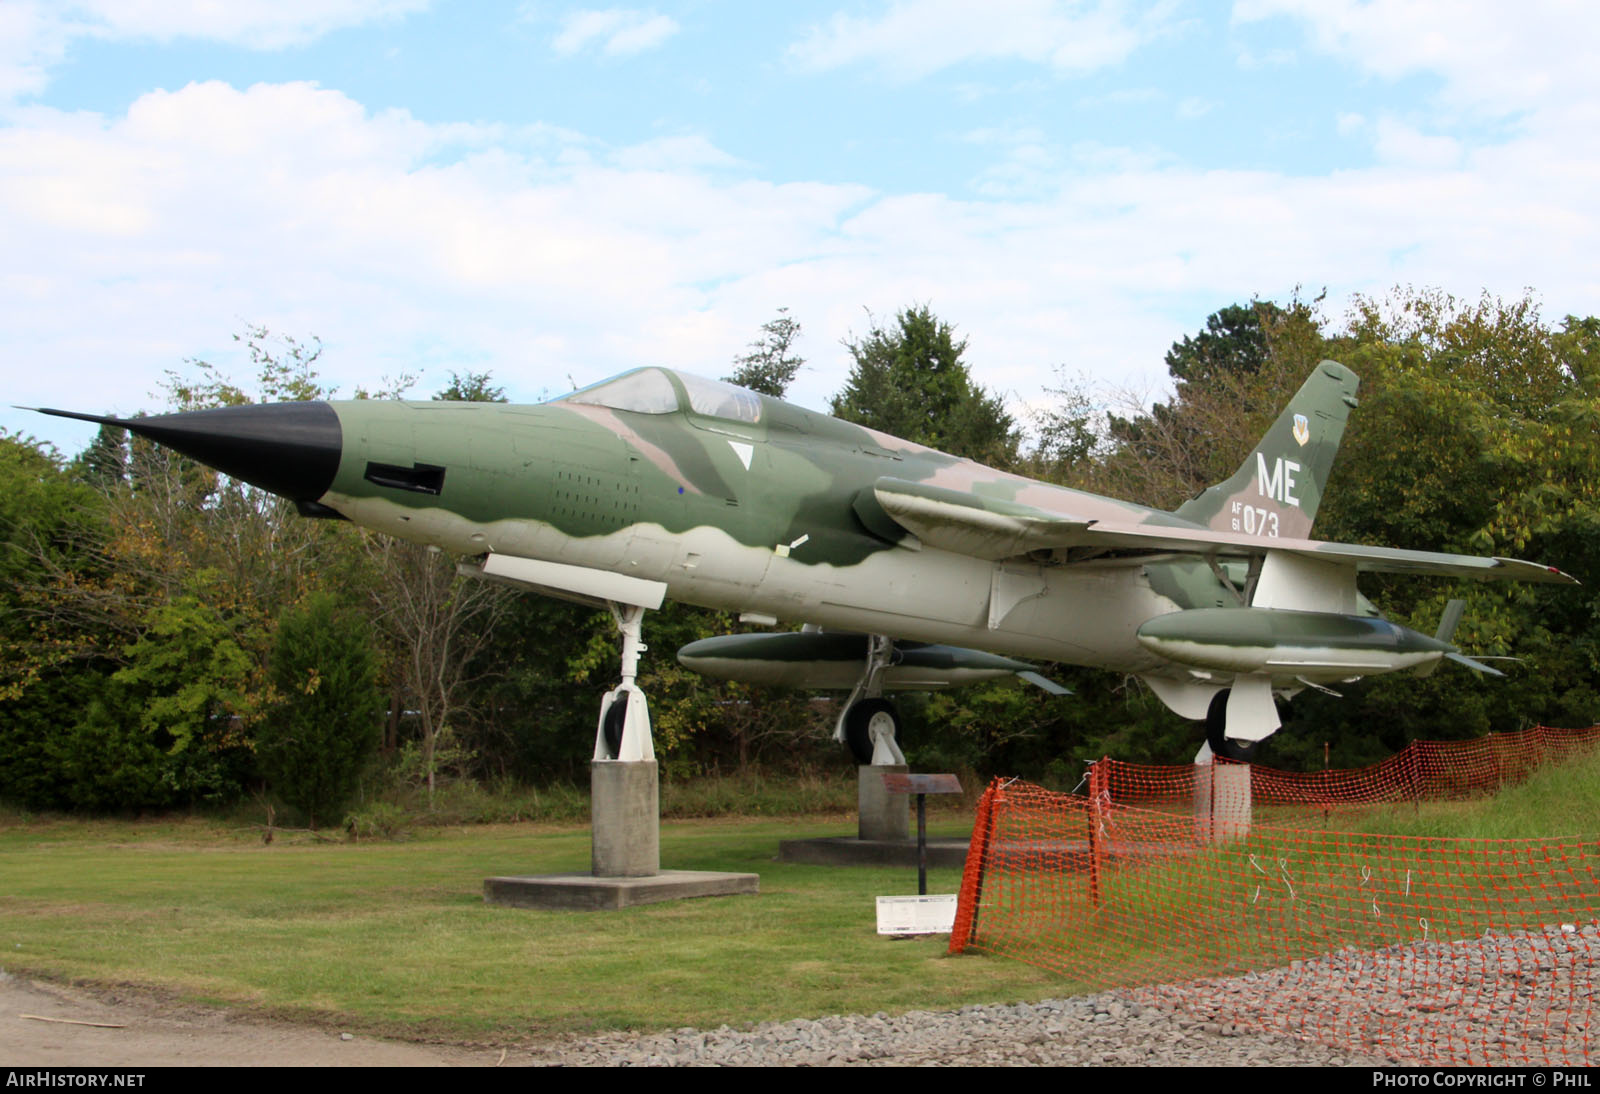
[{"x": 995, "y": 529}]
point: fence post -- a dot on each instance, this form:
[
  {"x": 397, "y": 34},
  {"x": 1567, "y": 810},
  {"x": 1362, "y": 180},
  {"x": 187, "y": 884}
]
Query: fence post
[
  {"x": 1410, "y": 761},
  {"x": 972, "y": 875},
  {"x": 1096, "y": 780}
]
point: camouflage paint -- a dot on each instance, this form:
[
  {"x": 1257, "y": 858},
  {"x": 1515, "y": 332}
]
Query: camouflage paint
[
  {"x": 791, "y": 514},
  {"x": 785, "y": 516},
  {"x": 1316, "y": 646}
]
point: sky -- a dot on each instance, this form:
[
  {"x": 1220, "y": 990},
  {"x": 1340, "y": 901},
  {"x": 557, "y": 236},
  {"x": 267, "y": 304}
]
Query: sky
[{"x": 553, "y": 192}]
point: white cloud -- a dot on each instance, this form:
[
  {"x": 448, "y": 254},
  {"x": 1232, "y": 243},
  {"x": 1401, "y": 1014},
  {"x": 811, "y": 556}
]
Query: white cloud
[
  {"x": 617, "y": 32},
  {"x": 675, "y": 153},
  {"x": 254, "y": 24},
  {"x": 35, "y": 34},
  {"x": 133, "y": 241},
  {"x": 914, "y": 38},
  {"x": 1400, "y": 143},
  {"x": 1490, "y": 59},
  {"x": 32, "y": 38}
]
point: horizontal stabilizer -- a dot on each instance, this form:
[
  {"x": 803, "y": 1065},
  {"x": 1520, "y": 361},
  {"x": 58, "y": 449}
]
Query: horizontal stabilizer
[{"x": 1474, "y": 664}]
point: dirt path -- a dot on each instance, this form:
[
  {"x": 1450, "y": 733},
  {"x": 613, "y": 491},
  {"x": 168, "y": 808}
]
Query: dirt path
[
  {"x": 1085, "y": 1030},
  {"x": 155, "y": 1034}
]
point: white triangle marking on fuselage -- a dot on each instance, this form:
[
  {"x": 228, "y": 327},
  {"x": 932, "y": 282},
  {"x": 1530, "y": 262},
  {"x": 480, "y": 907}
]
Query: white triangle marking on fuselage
[{"x": 743, "y": 451}]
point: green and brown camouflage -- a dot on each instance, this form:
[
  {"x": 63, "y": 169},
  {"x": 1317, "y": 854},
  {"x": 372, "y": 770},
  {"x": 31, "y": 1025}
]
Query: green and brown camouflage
[
  {"x": 823, "y": 660},
  {"x": 670, "y": 485},
  {"x": 1317, "y": 646},
  {"x": 1279, "y": 488}
]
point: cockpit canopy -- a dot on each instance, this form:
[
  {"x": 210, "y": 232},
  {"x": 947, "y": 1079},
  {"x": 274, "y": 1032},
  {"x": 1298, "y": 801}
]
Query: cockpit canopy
[{"x": 657, "y": 391}]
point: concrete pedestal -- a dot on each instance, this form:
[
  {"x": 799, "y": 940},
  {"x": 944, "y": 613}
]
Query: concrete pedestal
[
  {"x": 884, "y": 817},
  {"x": 625, "y": 817},
  {"x": 625, "y": 854},
  {"x": 1222, "y": 803}
]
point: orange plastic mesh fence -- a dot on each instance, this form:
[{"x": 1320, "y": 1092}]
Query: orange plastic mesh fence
[
  {"x": 1422, "y": 771},
  {"x": 1424, "y": 950}
]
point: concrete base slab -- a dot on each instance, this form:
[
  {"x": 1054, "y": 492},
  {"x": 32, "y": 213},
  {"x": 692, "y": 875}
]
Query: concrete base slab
[
  {"x": 587, "y": 893},
  {"x": 844, "y": 851}
]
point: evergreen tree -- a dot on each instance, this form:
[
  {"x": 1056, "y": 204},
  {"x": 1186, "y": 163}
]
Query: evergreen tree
[
  {"x": 313, "y": 745},
  {"x": 909, "y": 381}
]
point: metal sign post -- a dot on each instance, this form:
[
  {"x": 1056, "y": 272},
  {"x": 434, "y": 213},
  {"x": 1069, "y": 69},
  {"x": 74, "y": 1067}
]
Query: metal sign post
[{"x": 921, "y": 785}]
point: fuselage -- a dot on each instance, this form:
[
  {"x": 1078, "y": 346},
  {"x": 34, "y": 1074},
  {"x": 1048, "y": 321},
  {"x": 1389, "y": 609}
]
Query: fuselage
[{"x": 748, "y": 505}]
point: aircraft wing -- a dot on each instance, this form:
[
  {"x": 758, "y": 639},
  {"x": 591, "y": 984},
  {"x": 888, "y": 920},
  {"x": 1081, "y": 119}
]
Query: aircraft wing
[
  {"x": 993, "y": 528},
  {"x": 967, "y": 524}
]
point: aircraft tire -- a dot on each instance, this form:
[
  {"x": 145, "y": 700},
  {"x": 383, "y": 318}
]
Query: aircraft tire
[
  {"x": 616, "y": 720},
  {"x": 858, "y": 723},
  {"x": 1221, "y": 745}
]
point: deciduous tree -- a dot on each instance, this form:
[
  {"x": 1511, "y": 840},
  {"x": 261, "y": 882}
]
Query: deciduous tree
[{"x": 770, "y": 365}]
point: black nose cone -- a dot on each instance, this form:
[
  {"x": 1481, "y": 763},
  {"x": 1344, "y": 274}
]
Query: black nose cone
[{"x": 291, "y": 449}]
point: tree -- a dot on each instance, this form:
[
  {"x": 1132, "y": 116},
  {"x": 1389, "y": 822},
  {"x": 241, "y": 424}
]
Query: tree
[
  {"x": 1237, "y": 340},
  {"x": 910, "y": 381},
  {"x": 770, "y": 366},
  {"x": 105, "y": 463},
  {"x": 51, "y": 664},
  {"x": 1068, "y": 434},
  {"x": 325, "y": 725},
  {"x": 159, "y": 600},
  {"x": 471, "y": 387},
  {"x": 191, "y": 686},
  {"x": 1232, "y": 380},
  {"x": 285, "y": 370},
  {"x": 437, "y": 624},
  {"x": 1478, "y": 433}
]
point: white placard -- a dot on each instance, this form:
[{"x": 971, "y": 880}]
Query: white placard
[{"x": 934, "y": 914}]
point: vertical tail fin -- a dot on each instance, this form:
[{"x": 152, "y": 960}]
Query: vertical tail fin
[{"x": 1277, "y": 489}]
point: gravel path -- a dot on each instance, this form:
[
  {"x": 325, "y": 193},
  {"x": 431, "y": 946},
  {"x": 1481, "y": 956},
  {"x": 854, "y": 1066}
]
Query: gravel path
[
  {"x": 139, "y": 1029},
  {"x": 1512, "y": 998},
  {"x": 1522, "y": 997},
  {"x": 1109, "y": 1028}
]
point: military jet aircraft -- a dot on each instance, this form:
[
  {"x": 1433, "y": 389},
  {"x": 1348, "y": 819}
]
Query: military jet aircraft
[{"x": 908, "y": 567}]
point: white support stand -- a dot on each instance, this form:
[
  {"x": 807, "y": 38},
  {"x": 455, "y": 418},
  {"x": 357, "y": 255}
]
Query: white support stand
[
  {"x": 636, "y": 744},
  {"x": 624, "y": 811},
  {"x": 624, "y": 787}
]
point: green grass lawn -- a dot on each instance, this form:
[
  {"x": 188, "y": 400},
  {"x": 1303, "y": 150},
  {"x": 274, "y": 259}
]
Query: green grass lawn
[{"x": 394, "y": 937}]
